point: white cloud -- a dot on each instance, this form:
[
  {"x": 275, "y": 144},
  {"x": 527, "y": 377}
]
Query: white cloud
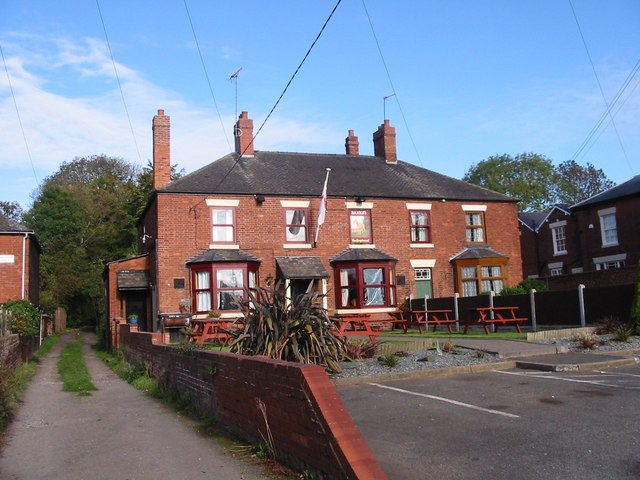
[{"x": 70, "y": 106}]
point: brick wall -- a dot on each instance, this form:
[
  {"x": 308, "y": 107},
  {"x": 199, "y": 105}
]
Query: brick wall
[
  {"x": 184, "y": 229},
  {"x": 307, "y": 419},
  {"x": 11, "y": 273}
]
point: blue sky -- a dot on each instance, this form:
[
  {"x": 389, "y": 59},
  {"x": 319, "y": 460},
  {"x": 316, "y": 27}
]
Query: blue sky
[{"x": 471, "y": 79}]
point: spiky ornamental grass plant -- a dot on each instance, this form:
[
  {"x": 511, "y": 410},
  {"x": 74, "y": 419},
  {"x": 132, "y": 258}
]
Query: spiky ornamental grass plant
[{"x": 299, "y": 331}]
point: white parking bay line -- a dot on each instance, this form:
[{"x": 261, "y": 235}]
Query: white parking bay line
[
  {"x": 447, "y": 400},
  {"x": 600, "y": 383}
]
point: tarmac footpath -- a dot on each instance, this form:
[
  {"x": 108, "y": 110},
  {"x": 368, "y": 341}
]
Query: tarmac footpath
[{"x": 116, "y": 433}]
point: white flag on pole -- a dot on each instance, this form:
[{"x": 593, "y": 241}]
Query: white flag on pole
[{"x": 323, "y": 205}]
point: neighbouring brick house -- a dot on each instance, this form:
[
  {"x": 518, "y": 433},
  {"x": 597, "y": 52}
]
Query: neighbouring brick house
[
  {"x": 391, "y": 230},
  {"x": 595, "y": 242},
  {"x": 19, "y": 262}
]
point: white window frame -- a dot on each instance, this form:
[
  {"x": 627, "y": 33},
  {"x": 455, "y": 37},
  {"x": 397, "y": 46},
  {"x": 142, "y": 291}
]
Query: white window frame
[
  {"x": 558, "y": 241},
  {"x": 603, "y": 215}
]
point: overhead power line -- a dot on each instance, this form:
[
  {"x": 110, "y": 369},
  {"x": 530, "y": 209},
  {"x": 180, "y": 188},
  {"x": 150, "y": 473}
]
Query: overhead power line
[
  {"x": 386, "y": 69},
  {"x": 115, "y": 70},
  {"x": 283, "y": 92},
  {"x": 206, "y": 74},
  {"x": 604, "y": 98},
  {"x": 15, "y": 103}
]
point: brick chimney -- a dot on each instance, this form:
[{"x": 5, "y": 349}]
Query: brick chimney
[
  {"x": 243, "y": 132},
  {"x": 161, "y": 150},
  {"x": 384, "y": 143},
  {"x": 351, "y": 144}
]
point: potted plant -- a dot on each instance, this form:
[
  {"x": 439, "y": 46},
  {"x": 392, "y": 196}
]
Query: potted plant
[
  {"x": 215, "y": 313},
  {"x": 132, "y": 319}
]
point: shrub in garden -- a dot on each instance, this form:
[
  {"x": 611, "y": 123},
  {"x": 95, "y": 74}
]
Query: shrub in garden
[
  {"x": 26, "y": 317},
  {"x": 297, "y": 331},
  {"x": 588, "y": 341},
  {"x": 360, "y": 349}
]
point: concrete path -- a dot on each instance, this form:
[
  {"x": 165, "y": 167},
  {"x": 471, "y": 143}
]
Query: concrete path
[{"x": 116, "y": 433}]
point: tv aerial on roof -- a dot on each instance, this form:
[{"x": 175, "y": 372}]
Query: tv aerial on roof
[{"x": 234, "y": 78}]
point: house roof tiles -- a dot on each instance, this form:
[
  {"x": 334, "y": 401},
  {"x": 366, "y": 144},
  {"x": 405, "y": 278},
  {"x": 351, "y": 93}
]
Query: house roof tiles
[
  {"x": 222, "y": 256},
  {"x": 303, "y": 174},
  {"x": 7, "y": 225}
]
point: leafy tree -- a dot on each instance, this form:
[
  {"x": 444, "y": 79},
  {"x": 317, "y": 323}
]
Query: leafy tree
[
  {"x": 577, "y": 183},
  {"x": 527, "y": 176},
  {"x": 534, "y": 180},
  {"x": 84, "y": 216},
  {"x": 11, "y": 210}
]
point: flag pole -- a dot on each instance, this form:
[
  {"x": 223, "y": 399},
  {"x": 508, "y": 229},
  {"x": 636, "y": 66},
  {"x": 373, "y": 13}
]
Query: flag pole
[{"x": 323, "y": 206}]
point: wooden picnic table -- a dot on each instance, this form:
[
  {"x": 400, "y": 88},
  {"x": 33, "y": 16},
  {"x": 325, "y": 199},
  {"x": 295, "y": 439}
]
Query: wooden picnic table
[
  {"x": 367, "y": 324},
  {"x": 432, "y": 317},
  {"x": 215, "y": 329},
  {"x": 355, "y": 324},
  {"x": 495, "y": 316}
]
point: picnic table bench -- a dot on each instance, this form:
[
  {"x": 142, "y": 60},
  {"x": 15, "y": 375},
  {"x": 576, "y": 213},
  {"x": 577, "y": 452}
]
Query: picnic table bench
[
  {"x": 367, "y": 324},
  {"x": 215, "y": 329},
  {"x": 495, "y": 316},
  {"x": 432, "y": 317}
]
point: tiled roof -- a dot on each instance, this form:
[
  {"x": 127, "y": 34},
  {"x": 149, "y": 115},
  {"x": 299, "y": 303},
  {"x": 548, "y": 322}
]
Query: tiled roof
[
  {"x": 303, "y": 174},
  {"x": 301, "y": 267},
  {"x": 477, "y": 252},
  {"x": 221, "y": 256},
  {"x": 133, "y": 280},
  {"x": 362, "y": 254},
  {"x": 9, "y": 225},
  {"x": 629, "y": 188}
]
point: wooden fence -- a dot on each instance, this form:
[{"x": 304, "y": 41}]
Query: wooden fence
[
  {"x": 5, "y": 320},
  {"x": 570, "y": 308}
]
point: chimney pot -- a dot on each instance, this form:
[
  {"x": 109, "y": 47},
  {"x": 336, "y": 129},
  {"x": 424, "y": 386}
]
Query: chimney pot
[
  {"x": 384, "y": 143},
  {"x": 243, "y": 133},
  {"x": 351, "y": 144},
  {"x": 161, "y": 150}
]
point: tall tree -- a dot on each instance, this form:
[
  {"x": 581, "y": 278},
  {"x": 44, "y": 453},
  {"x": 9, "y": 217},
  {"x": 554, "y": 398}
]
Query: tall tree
[
  {"x": 84, "y": 216},
  {"x": 577, "y": 183},
  {"x": 11, "y": 210},
  {"x": 529, "y": 177}
]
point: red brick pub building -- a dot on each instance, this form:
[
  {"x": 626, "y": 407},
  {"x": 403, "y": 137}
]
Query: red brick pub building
[{"x": 391, "y": 230}]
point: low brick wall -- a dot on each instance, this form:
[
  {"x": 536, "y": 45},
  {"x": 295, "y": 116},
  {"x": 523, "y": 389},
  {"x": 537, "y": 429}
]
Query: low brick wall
[
  {"x": 10, "y": 351},
  {"x": 252, "y": 396}
]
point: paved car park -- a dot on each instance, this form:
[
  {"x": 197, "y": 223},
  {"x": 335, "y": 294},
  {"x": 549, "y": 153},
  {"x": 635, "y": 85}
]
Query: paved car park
[{"x": 515, "y": 424}]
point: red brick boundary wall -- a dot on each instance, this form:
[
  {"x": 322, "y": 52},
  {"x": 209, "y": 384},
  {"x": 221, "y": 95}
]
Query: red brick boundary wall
[
  {"x": 10, "y": 351},
  {"x": 253, "y": 397}
]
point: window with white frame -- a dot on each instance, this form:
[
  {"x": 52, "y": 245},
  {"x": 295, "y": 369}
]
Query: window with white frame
[
  {"x": 610, "y": 265},
  {"x": 420, "y": 227},
  {"x": 559, "y": 236},
  {"x": 608, "y": 227},
  {"x": 296, "y": 225},
  {"x": 555, "y": 272},
  {"x": 223, "y": 224},
  {"x": 474, "y": 222}
]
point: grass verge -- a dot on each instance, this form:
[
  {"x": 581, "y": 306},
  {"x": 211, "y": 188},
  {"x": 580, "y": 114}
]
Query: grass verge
[{"x": 73, "y": 370}]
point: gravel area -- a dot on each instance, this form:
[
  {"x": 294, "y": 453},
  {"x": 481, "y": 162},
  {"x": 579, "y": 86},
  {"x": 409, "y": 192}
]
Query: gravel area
[
  {"x": 415, "y": 361},
  {"x": 429, "y": 359},
  {"x": 605, "y": 344}
]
